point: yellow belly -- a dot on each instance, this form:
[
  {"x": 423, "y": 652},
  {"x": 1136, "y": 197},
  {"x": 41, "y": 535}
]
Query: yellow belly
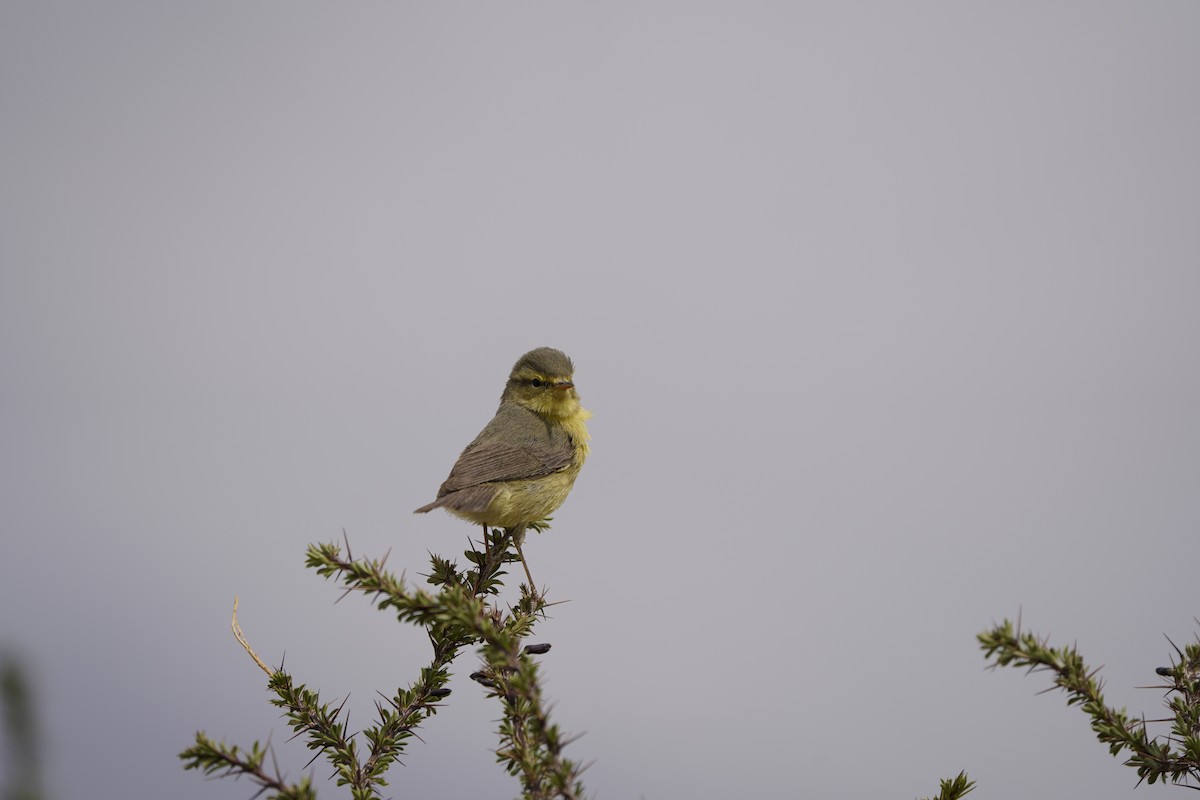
[{"x": 521, "y": 502}]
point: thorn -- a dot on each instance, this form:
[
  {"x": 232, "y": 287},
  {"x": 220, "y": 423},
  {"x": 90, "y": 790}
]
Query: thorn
[
  {"x": 1177, "y": 650},
  {"x": 345, "y": 700},
  {"x": 390, "y": 701},
  {"x": 571, "y": 739},
  {"x": 274, "y": 760}
]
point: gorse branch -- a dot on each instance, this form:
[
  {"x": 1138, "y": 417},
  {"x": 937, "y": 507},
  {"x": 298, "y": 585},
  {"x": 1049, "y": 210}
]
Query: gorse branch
[
  {"x": 213, "y": 758},
  {"x": 1175, "y": 757},
  {"x": 456, "y": 616},
  {"x": 530, "y": 744}
]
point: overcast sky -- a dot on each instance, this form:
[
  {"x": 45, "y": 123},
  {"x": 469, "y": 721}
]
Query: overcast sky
[{"x": 887, "y": 314}]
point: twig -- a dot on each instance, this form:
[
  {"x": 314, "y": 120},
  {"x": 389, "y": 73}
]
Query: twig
[{"x": 241, "y": 637}]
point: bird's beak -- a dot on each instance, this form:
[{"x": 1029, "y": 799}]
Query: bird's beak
[{"x": 564, "y": 385}]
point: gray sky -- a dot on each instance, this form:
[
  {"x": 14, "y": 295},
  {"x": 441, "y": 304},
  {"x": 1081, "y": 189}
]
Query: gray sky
[{"x": 887, "y": 315}]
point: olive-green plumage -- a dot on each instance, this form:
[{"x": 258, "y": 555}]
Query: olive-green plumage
[{"x": 522, "y": 465}]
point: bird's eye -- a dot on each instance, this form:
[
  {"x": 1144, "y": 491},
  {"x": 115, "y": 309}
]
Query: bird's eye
[{"x": 537, "y": 384}]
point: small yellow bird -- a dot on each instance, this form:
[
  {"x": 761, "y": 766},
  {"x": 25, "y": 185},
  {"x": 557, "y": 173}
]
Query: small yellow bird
[{"x": 522, "y": 465}]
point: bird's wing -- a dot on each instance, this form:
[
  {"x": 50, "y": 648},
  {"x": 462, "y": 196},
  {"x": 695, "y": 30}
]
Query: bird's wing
[{"x": 516, "y": 444}]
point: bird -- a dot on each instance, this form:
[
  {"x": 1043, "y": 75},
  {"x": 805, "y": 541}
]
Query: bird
[{"x": 523, "y": 464}]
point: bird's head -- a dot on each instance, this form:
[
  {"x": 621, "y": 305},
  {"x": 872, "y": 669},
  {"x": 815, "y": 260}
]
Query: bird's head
[{"x": 541, "y": 381}]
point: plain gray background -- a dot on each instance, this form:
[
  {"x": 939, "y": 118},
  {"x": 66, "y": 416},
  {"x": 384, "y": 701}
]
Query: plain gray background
[{"x": 887, "y": 314}]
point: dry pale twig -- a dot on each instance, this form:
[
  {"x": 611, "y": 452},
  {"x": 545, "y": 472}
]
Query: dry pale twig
[{"x": 241, "y": 637}]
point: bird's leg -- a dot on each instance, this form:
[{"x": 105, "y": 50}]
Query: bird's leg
[{"x": 518, "y": 536}]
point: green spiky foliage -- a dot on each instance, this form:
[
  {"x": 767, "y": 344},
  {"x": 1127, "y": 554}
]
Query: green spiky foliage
[
  {"x": 954, "y": 788},
  {"x": 460, "y": 613},
  {"x": 1174, "y": 757}
]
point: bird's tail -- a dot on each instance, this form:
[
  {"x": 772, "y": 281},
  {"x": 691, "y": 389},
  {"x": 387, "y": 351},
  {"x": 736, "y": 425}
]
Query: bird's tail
[
  {"x": 473, "y": 499},
  {"x": 441, "y": 501}
]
